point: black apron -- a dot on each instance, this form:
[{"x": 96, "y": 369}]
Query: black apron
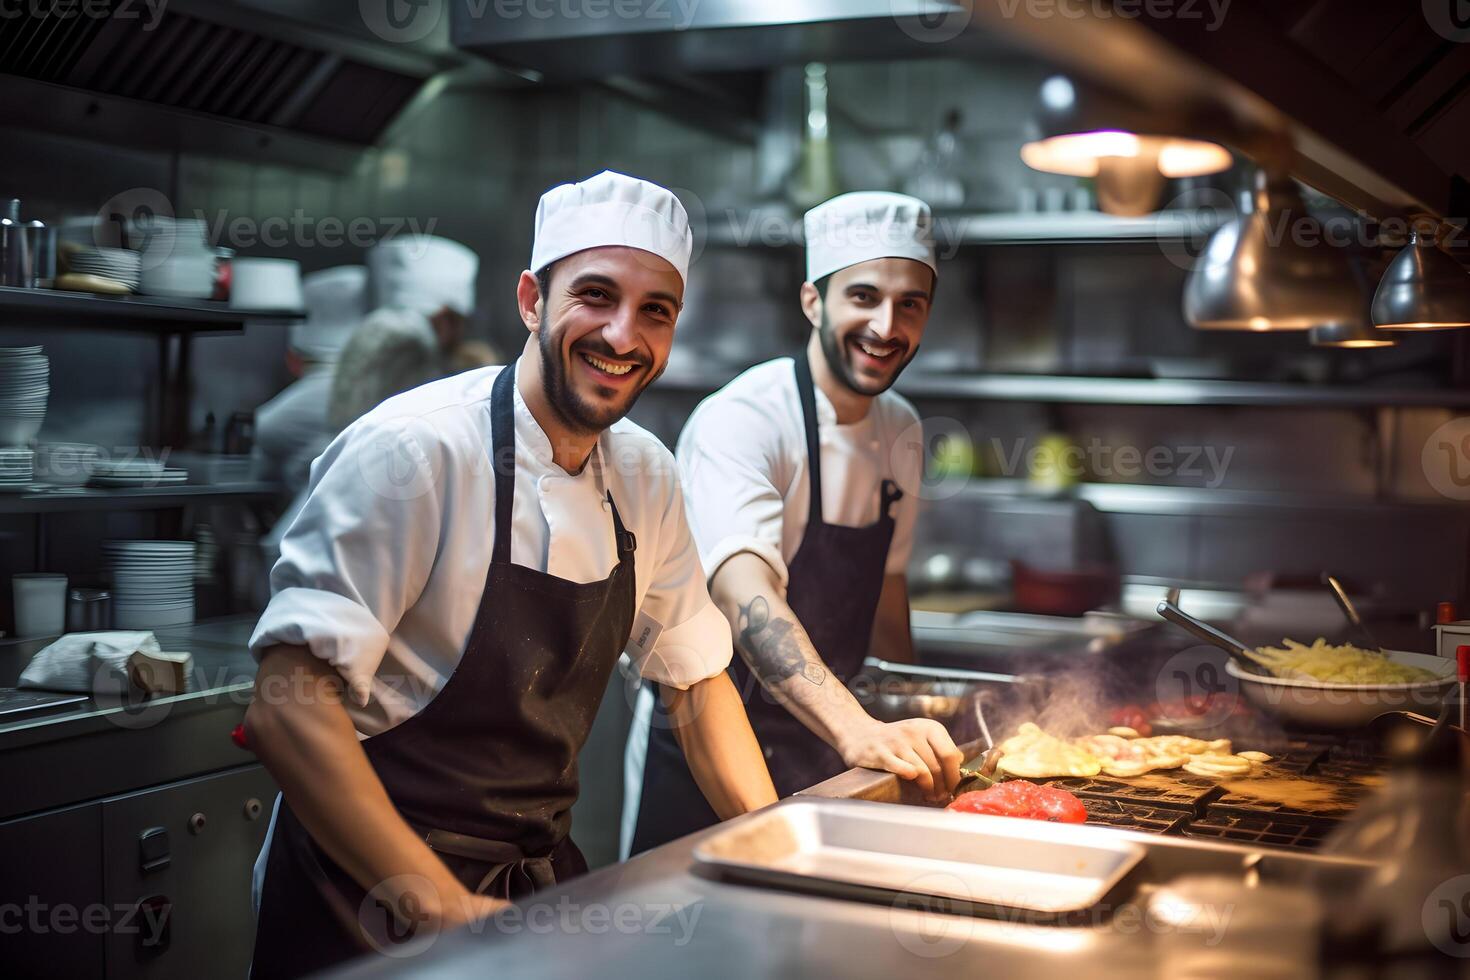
[
  {"x": 834, "y": 583},
  {"x": 487, "y": 771}
]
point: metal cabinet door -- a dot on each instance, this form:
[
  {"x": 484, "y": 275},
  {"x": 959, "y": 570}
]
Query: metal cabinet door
[
  {"x": 52, "y": 917},
  {"x": 179, "y": 858}
]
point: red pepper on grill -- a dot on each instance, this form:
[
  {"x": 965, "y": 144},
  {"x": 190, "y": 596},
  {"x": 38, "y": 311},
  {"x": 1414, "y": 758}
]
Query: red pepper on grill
[{"x": 1019, "y": 798}]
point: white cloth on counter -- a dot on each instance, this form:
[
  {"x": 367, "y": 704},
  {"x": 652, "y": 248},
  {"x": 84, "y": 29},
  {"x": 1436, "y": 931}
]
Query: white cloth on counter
[
  {"x": 382, "y": 572},
  {"x": 743, "y": 461},
  {"x": 867, "y": 225},
  {"x": 612, "y": 209},
  {"x": 87, "y": 663}
]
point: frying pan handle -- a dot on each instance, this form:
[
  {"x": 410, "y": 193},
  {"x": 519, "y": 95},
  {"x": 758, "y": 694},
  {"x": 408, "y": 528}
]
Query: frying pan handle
[{"x": 1203, "y": 631}]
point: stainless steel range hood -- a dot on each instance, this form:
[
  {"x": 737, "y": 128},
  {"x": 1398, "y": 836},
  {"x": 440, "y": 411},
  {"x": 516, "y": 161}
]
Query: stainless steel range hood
[
  {"x": 210, "y": 77},
  {"x": 665, "y": 37}
]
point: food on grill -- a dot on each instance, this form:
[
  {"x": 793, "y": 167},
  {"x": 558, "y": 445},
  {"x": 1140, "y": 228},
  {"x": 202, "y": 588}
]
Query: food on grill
[
  {"x": 1344, "y": 664},
  {"x": 1035, "y": 754},
  {"x": 1123, "y": 731},
  {"x": 1254, "y": 756},
  {"x": 1018, "y": 798},
  {"x": 1216, "y": 764}
]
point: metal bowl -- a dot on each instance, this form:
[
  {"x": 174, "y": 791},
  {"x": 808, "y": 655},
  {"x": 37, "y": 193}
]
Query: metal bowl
[{"x": 1320, "y": 705}]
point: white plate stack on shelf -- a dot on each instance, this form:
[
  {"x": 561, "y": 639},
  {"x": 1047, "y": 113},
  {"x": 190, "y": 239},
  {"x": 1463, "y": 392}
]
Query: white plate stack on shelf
[
  {"x": 25, "y": 384},
  {"x": 15, "y": 468},
  {"x": 66, "y": 464},
  {"x": 176, "y": 258},
  {"x": 134, "y": 472},
  {"x": 152, "y": 583},
  {"x": 119, "y": 265}
]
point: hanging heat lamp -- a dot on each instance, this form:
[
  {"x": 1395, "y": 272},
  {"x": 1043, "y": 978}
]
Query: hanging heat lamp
[
  {"x": 1424, "y": 288},
  {"x": 1272, "y": 269},
  {"x": 1128, "y": 151}
]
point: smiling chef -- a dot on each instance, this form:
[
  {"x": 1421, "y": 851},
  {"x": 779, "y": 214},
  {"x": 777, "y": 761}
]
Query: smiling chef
[
  {"x": 472, "y": 559},
  {"x": 792, "y": 475}
]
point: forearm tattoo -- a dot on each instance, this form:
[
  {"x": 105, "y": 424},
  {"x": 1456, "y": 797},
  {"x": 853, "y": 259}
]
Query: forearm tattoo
[{"x": 772, "y": 646}]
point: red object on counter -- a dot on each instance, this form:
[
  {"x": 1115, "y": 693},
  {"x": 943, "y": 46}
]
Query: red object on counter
[
  {"x": 1444, "y": 613},
  {"x": 1019, "y": 798},
  {"x": 237, "y": 735}
]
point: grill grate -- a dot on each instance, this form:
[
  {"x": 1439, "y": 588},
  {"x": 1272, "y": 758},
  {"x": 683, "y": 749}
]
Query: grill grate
[
  {"x": 1249, "y": 828},
  {"x": 1134, "y": 816},
  {"x": 1183, "y": 792}
]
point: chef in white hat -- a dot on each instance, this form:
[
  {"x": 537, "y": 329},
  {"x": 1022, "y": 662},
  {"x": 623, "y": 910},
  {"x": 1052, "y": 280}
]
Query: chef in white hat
[
  {"x": 801, "y": 478},
  {"x": 291, "y": 429},
  {"x": 427, "y": 274},
  {"x": 472, "y": 559}
]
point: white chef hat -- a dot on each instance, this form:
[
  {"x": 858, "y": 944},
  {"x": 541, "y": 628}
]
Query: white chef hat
[
  {"x": 423, "y": 273},
  {"x": 866, "y": 225},
  {"x": 336, "y": 302},
  {"x": 611, "y": 209}
]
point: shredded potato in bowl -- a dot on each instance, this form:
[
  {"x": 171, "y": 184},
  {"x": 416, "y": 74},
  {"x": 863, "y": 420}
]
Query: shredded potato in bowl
[{"x": 1344, "y": 664}]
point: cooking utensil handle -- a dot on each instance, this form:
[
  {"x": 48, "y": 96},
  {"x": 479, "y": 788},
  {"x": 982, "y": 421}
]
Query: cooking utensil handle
[
  {"x": 1350, "y": 611},
  {"x": 1343, "y": 602},
  {"x": 1203, "y": 631}
]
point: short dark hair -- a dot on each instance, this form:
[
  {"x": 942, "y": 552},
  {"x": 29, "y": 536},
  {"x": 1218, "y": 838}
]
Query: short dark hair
[{"x": 543, "y": 279}]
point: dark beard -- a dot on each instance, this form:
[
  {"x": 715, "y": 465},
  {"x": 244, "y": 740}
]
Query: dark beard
[
  {"x": 573, "y": 411},
  {"x": 832, "y": 350}
]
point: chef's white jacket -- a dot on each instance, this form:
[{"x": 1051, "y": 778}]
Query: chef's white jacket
[
  {"x": 743, "y": 461},
  {"x": 382, "y": 572}
]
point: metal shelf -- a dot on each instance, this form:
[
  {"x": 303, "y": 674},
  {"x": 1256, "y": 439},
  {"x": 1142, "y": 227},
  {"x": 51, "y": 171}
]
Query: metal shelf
[
  {"x": 58, "y": 500},
  {"x": 153, "y": 314},
  {"x": 1124, "y": 391},
  {"x": 774, "y": 228},
  {"x": 1135, "y": 498}
]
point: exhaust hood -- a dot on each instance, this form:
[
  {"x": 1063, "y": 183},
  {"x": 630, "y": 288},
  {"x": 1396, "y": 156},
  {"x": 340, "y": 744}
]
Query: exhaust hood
[
  {"x": 157, "y": 77},
  {"x": 567, "y": 42}
]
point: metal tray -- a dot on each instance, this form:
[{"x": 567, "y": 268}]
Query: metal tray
[{"x": 860, "y": 849}]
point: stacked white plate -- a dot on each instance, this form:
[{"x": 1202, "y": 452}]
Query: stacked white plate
[
  {"x": 152, "y": 583},
  {"x": 16, "y": 469},
  {"x": 135, "y": 473},
  {"x": 176, "y": 257},
  {"x": 25, "y": 384},
  {"x": 65, "y": 464},
  {"x": 115, "y": 264}
]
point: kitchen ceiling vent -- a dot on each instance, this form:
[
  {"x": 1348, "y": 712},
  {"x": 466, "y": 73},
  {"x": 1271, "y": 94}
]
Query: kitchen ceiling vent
[{"x": 165, "y": 58}]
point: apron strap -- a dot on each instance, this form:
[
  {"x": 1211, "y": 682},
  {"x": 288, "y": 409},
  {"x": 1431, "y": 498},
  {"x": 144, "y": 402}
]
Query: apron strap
[
  {"x": 807, "y": 392},
  {"x": 503, "y": 459},
  {"x": 504, "y": 860},
  {"x": 626, "y": 539}
]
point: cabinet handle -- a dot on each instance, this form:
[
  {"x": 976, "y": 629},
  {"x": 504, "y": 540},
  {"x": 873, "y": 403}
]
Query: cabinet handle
[{"x": 196, "y": 824}]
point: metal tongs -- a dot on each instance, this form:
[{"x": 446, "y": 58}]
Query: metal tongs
[{"x": 983, "y": 777}]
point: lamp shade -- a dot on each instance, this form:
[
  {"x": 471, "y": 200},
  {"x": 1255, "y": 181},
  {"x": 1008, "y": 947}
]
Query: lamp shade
[
  {"x": 1423, "y": 289},
  {"x": 1271, "y": 269},
  {"x": 1350, "y": 335},
  {"x": 1128, "y": 150}
]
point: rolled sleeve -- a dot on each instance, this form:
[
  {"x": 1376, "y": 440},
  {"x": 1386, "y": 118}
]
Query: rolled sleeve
[
  {"x": 359, "y": 553},
  {"x": 694, "y": 639},
  {"x": 734, "y": 504}
]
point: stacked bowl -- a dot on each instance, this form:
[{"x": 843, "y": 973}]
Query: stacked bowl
[
  {"x": 152, "y": 583},
  {"x": 25, "y": 384},
  {"x": 176, "y": 258}
]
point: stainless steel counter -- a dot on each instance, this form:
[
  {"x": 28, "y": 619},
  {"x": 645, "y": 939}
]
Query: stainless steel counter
[{"x": 661, "y": 915}]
